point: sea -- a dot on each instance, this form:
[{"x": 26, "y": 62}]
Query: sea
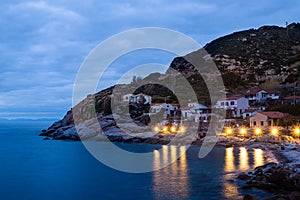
[{"x": 33, "y": 168}]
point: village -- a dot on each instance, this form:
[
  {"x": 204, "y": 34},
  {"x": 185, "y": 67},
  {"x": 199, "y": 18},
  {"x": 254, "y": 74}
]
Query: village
[{"x": 245, "y": 114}]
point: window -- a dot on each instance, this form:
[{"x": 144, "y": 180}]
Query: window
[
  {"x": 262, "y": 123},
  {"x": 226, "y": 103},
  {"x": 232, "y": 103},
  {"x": 222, "y": 103},
  {"x": 254, "y": 123}
]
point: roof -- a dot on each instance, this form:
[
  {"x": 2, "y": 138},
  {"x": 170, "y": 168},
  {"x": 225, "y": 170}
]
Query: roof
[
  {"x": 156, "y": 104},
  {"x": 271, "y": 91},
  {"x": 234, "y": 97},
  {"x": 249, "y": 111},
  {"x": 273, "y": 114},
  {"x": 185, "y": 108},
  {"x": 254, "y": 91},
  {"x": 291, "y": 97}
]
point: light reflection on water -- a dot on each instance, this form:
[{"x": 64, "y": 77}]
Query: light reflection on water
[
  {"x": 243, "y": 159},
  {"x": 230, "y": 188},
  {"x": 172, "y": 181},
  {"x": 258, "y": 157}
]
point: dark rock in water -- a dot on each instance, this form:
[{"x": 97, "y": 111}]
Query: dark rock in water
[
  {"x": 115, "y": 138},
  {"x": 275, "y": 178},
  {"x": 295, "y": 195},
  {"x": 249, "y": 197},
  {"x": 278, "y": 197},
  {"x": 197, "y": 142},
  {"x": 43, "y": 133},
  {"x": 243, "y": 176}
]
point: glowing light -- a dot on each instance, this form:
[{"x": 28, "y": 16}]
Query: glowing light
[
  {"x": 257, "y": 131},
  {"x": 274, "y": 131},
  {"x": 165, "y": 129},
  {"x": 229, "y": 131},
  {"x": 156, "y": 129},
  {"x": 297, "y": 131},
  {"x": 243, "y": 131},
  {"x": 182, "y": 129},
  {"x": 173, "y": 129}
]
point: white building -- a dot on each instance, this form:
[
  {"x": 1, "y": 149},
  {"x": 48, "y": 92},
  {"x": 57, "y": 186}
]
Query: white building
[
  {"x": 169, "y": 108},
  {"x": 256, "y": 96},
  {"x": 193, "y": 104},
  {"x": 155, "y": 108},
  {"x": 272, "y": 95},
  {"x": 137, "y": 98},
  {"x": 249, "y": 113},
  {"x": 186, "y": 112},
  {"x": 234, "y": 105}
]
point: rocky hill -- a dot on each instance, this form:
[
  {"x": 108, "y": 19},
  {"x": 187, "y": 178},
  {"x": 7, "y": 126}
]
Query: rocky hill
[
  {"x": 255, "y": 55},
  {"x": 262, "y": 57}
]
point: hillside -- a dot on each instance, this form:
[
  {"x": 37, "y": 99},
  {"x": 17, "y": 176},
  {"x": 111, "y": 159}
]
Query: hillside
[
  {"x": 259, "y": 54},
  {"x": 263, "y": 57}
]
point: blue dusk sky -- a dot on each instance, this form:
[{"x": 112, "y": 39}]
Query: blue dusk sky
[{"x": 43, "y": 43}]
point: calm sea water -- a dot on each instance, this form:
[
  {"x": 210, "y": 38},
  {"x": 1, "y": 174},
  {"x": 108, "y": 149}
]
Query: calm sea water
[{"x": 32, "y": 168}]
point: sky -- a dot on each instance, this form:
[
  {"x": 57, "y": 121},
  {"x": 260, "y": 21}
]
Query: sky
[{"x": 43, "y": 43}]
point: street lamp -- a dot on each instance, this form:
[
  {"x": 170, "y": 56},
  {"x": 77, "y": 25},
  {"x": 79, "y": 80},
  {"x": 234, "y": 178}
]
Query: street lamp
[
  {"x": 297, "y": 131},
  {"x": 274, "y": 131},
  {"x": 257, "y": 131},
  {"x": 243, "y": 131},
  {"x": 229, "y": 131}
]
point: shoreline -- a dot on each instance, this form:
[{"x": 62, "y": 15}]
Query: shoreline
[{"x": 274, "y": 149}]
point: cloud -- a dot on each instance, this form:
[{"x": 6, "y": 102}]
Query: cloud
[
  {"x": 42, "y": 6},
  {"x": 43, "y": 43}
]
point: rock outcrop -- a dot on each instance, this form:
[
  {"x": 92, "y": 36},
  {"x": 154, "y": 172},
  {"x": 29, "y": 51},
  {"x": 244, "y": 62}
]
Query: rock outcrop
[{"x": 281, "y": 179}]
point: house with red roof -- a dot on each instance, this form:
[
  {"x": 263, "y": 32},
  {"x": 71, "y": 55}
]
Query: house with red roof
[
  {"x": 291, "y": 100},
  {"x": 194, "y": 111},
  {"x": 272, "y": 95},
  {"x": 249, "y": 113},
  {"x": 256, "y": 96},
  {"x": 234, "y": 105},
  {"x": 266, "y": 119}
]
